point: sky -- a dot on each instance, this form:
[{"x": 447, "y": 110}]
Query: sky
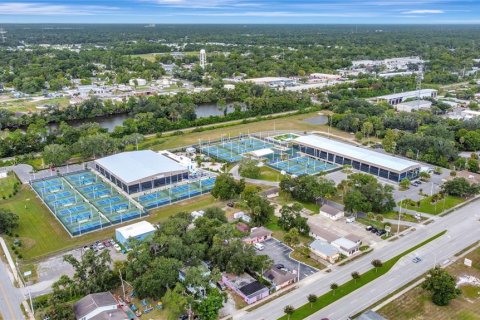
[{"x": 242, "y": 11}]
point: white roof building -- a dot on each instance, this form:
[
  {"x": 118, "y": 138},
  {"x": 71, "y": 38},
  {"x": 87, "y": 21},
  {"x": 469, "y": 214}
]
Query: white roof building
[
  {"x": 396, "y": 98},
  {"x": 410, "y": 106},
  {"x": 139, "y": 231}
]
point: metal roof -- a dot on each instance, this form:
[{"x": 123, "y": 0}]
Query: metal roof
[
  {"x": 323, "y": 247},
  {"x": 358, "y": 153},
  {"x": 92, "y": 302},
  {"x": 407, "y": 94},
  {"x": 136, "y": 229},
  {"x": 137, "y": 165}
]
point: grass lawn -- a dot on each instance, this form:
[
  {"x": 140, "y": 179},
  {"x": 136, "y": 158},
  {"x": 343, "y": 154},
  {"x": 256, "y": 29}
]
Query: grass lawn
[
  {"x": 294, "y": 122},
  {"x": 405, "y": 217},
  {"x": 6, "y": 185},
  {"x": 432, "y": 208},
  {"x": 297, "y": 255},
  {"x": 284, "y": 199},
  {"x": 352, "y": 285},
  {"x": 269, "y": 174},
  {"x": 43, "y": 235},
  {"x": 416, "y": 304}
]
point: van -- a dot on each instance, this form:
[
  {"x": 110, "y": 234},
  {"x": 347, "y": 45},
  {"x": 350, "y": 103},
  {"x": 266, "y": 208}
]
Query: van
[
  {"x": 350, "y": 219},
  {"x": 259, "y": 246}
]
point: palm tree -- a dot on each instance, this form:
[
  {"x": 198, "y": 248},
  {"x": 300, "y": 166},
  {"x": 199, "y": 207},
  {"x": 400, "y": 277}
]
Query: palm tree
[
  {"x": 355, "y": 276},
  {"x": 312, "y": 299},
  {"x": 334, "y": 287},
  {"x": 288, "y": 310}
]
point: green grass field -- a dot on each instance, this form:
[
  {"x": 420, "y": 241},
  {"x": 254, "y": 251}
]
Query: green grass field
[
  {"x": 432, "y": 208},
  {"x": 7, "y": 185},
  {"x": 352, "y": 285},
  {"x": 42, "y": 235},
  {"x": 269, "y": 174}
]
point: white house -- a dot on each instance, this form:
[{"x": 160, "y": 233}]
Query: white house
[
  {"x": 331, "y": 212},
  {"x": 99, "y": 306},
  {"x": 137, "y": 82},
  {"x": 346, "y": 247}
]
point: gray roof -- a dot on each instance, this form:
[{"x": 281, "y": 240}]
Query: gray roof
[
  {"x": 116, "y": 314},
  {"x": 408, "y": 94},
  {"x": 323, "y": 247},
  {"x": 345, "y": 244},
  {"x": 137, "y": 165},
  {"x": 357, "y": 153},
  {"x": 93, "y": 301},
  {"x": 370, "y": 315},
  {"x": 332, "y": 211}
]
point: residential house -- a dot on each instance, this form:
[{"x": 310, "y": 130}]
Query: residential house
[
  {"x": 331, "y": 212},
  {"x": 99, "y": 306},
  {"x": 257, "y": 235},
  {"x": 325, "y": 251},
  {"x": 249, "y": 289},
  {"x": 317, "y": 232},
  {"x": 346, "y": 247},
  {"x": 279, "y": 278}
]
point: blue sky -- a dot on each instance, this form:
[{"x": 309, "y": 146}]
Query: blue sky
[{"x": 242, "y": 11}]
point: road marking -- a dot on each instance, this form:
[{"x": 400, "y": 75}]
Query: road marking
[{"x": 7, "y": 302}]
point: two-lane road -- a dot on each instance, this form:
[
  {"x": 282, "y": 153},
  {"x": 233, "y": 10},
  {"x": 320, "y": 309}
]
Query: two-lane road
[
  {"x": 10, "y": 297},
  {"x": 462, "y": 230}
]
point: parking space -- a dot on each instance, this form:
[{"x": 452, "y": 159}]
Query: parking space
[{"x": 280, "y": 254}]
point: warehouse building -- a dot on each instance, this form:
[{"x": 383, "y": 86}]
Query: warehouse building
[
  {"x": 139, "y": 231},
  {"x": 137, "y": 171},
  {"x": 396, "y": 98},
  {"x": 366, "y": 160}
]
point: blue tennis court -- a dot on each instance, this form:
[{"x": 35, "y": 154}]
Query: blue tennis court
[
  {"x": 72, "y": 210},
  {"x": 108, "y": 201},
  {"x": 302, "y": 165},
  {"x": 78, "y": 217},
  {"x": 90, "y": 188},
  {"x": 60, "y": 195},
  {"x": 64, "y": 202},
  {"x": 232, "y": 150}
]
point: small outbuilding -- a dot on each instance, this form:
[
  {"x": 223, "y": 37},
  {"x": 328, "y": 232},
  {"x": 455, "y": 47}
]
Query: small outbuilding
[
  {"x": 325, "y": 251},
  {"x": 139, "y": 231},
  {"x": 331, "y": 212},
  {"x": 99, "y": 306}
]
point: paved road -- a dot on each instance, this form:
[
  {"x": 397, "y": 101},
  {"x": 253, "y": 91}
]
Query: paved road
[
  {"x": 462, "y": 226},
  {"x": 10, "y": 297}
]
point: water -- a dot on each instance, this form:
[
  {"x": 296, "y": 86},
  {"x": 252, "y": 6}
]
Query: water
[{"x": 110, "y": 122}]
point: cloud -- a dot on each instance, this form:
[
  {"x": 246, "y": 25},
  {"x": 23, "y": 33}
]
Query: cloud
[
  {"x": 41, "y": 9},
  {"x": 425, "y": 11}
]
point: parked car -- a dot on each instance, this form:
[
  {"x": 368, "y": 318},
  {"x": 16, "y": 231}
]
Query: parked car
[
  {"x": 112, "y": 242},
  {"x": 373, "y": 230},
  {"x": 279, "y": 266},
  {"x": 416, "y": 260},
  {"x": 350, "y": 219},
  {"x": 107, "y": 243},
  {"x": 100, "y": 246},
  {"x": 381, "y": 232},
  {"x": 259, "y": 246},
  {"x": 368, "y": 228},
  {"x": 117, "y": 247}
]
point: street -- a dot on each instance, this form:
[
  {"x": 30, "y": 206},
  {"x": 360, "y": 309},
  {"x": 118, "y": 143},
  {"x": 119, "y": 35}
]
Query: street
[
  {"x": 462, "y": 226},
  {"x": 10, "y": 297}
]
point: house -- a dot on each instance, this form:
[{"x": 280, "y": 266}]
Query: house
[
  {"x": 249, "y": 289},
  {"x": 99, "y": 306},
  {"x": 370, "y": 315},
  {"x": 258, "y": 235},
  {"x": 279, "y": 278},
  {"x": 331, "y": 212},
  {"x": 346, "y": 247},
  {"x": 325, "y": 251},
  {"x": 317, "y": 232}
]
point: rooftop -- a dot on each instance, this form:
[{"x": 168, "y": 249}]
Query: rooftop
[
  {"x": 92, "y": 302},
  {"x": 136, "y": 229},
  {"x": 330, "y": 210},
  {"x": 245, "y": 283},
  {"x": 358, "y": 153},
  {"x": 279, "y": 277},
  {"x": 137, "y": 165},
  {"x": 370, "y": 315},
  {"x": 408, "y": 94},
  {"x": 345, "y": 244},
  {"x": 323, "y": 247},
  {"x": 259, "y": 232}
]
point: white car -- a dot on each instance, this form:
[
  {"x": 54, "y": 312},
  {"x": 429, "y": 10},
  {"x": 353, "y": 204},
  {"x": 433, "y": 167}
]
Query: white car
[
  {"x": 117, "y": 247},
  {"x": 259, "y": 246},
  {"x": 101, "y": 246}
]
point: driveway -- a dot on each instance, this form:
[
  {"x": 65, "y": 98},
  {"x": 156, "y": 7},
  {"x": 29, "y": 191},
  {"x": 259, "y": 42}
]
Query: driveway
[{"x": 280, "y": 253}]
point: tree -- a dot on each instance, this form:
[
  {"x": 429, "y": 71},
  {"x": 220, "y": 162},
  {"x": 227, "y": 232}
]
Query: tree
[
  {"x": 226, "y": 187},
  {"x": 260, "y": 208},
  {"x": 472, "y": 165},
  {"x": 405, "y": 183},
  {"x": 292, "y": 237},
  {"x": 389, "y": 141},
  {"x": 55, "y": 154},
  {"x": 334, "y": 287},
  {"x": 312, "y": 299},
  {"x": 441, "y": 285},
  {"x": 8, "y": 221},
  {"x": 289, "y": 310},
  {"x": 460, "y": 187},
  {"x": 425, "y": 176},
  {"x": 355, "y": 275},
  {"x": 308, "y": 188},
  {"x": 208, "y": 308},
  {"x": 290, "y": 218},
  {"x": 175, "y": 302},
  {"x": 249, "y": 168},
  {"x": 377, "y": 264},
  {"x": 163, "y": 274},
  {"x": 215, "y": 213}
]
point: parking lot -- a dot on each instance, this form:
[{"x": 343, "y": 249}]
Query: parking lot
[{"x": 279, "y": 253}]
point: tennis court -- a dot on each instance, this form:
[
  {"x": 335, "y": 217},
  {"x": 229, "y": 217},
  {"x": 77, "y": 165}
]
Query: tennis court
[
  {"x": 176, "y": 193},
  {"x": 232, "y": 150},
  {"x": 302, "y": 165},
  {"x": 77, "y": 216},
  {"x": 113, "y": 205}
]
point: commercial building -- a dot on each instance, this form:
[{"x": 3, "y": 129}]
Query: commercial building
[
  {"x": 249, "y": 289},
  {"x": 99, "y": 306},
  {"x": 345, "y": 246},
  {"x": 137, "y": 171},
  {"x": 139, "y": 231},
  {"x": 258, "y": 235},
  {"x": 396, "y": 98},
  {"x": 325, "y": 251},
  {"x": 366, "y": 160},
  {"x": 279, "y": 278},
  {"x": 410, "y": 106},
  {"x": 331, "y": 212}
]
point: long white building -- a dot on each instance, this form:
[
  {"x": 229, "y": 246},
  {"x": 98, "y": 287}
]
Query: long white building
[{"x": 396, "y": 98}]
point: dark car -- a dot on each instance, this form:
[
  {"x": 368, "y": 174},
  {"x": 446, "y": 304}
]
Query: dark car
[
  {"x": 374, "y": 230},
  {"x": 279, "y": 266},
  {"x": 416, "y": 260},
  {"x": 381, "y": 232}
]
